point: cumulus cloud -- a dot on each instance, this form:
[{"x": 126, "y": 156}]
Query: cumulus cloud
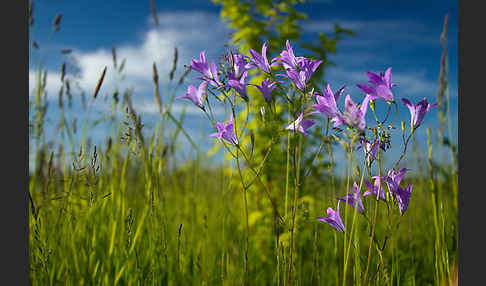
[{"x": 190, "y": 32}]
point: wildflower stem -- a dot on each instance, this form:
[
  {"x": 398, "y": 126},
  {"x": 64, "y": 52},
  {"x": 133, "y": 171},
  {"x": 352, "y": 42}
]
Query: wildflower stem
[
  {"x": 373, "y": 224},
  {"x": 245, "y": 200},
  {"x": 352, "y": 224},
  {"x": 257, "y": 177},
  {"x": 346, "y": 249},
  {"x": 287, "y": 173},
  {"x": 294, "y": 207},
  {"x": 404, "y": 148}
]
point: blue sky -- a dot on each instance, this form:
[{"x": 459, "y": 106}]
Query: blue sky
[{"x": 401, "y": 34}]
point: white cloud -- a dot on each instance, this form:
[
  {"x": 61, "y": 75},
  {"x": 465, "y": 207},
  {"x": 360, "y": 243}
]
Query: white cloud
[{"x": 190, "y": 32}]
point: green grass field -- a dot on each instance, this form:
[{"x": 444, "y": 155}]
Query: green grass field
[{"x": 141, "y": 218}]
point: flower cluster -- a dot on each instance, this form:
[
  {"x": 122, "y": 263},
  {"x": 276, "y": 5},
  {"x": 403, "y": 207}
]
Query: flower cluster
[
  {"x": 297, "y": 72},
  {"x": 392, "y": 179}
]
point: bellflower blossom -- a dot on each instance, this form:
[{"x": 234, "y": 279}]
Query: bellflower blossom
[
  {"x": 417, "y": 112},
  {"x": 287, "y": 58},
  {"x": 209, "y": 72},
  {"x": 393, "y": 179},
  {"x": 239, "y": 85},
  {"x": 353, "y": 116},
  {"x": 299, "y": 78},
  {"x": 326, "y": 103},
  {"x": 299, "y": 69},
  {"x": 300, "y": 124},
  {"x": 305, "y": 63},
  {"x": 375, "y": 188},
  {"x": 266, "y": 89},
  {"x": 370, "y": 149},
  {"x": 333, "y": 219},
  {"x": 260, "y": 61},
  {"x": 403, "y": 197},
  {"x": 239, "y": 65},
  {"x": 196, "y": 95},
  {"x": 226, "y": 132},
  {"x": 289, "y": 61},
  {"x": 302, "y": 75},
  {"x": 381, "y": 85},
  {"x": 354, "y": 199}
]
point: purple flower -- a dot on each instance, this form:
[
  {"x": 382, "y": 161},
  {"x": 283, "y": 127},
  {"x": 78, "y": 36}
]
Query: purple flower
[
  {"x": 393, "y": 179},
  {"x": 239, "y": 85},
  {"x": 196, "y": 95},
  {"x": 266, "y": 89},
  {"x": 302, "y": 75},
  {"x": 381, "y": 85},
  {"x": 239, "y": 65},
  {"x": 354, "y": 199},
  {"x": 417, "y": 112},
  {"x": 258, "y": 60},
  {"x": 353, "y": 115},
  {"x": 308, "y": 64},
  {"x": 326, "y": 103},
  {"x": 403, "y": 198},
  {"x": 333, "y": 219},
  {"x": 402, "y": 195},
  {"x": 370, "y": 149},
  {"x": 300, "y": 124},
  {"x": 209, "y": 72},
  {"x": 299, "y": 69},
  {"x": 299, "y": 78},
  {"x": 287, "y": 57},
  {"x": 226, "y": 132},
  {"x": 376, "y": 188}
]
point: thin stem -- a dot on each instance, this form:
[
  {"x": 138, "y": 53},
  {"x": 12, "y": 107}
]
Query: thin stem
[
  {"x": 245, "y": 277},
  {"x": 294, "y": 208},
  {"x": 247, "y": 228},
  {"x": 404, "y": 149},
  {"x": 373, "y": 224},
  {"x": 287, "y": 173}
]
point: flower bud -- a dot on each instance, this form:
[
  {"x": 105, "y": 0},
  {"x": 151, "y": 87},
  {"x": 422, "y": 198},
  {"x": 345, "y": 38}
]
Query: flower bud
[
  {"x": 262, "y": 112},
  {"x": 372, "y": 105}
]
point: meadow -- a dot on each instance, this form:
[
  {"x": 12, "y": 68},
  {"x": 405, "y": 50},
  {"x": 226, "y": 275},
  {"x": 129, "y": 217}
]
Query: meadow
[{"x": 129, "y": 211}]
